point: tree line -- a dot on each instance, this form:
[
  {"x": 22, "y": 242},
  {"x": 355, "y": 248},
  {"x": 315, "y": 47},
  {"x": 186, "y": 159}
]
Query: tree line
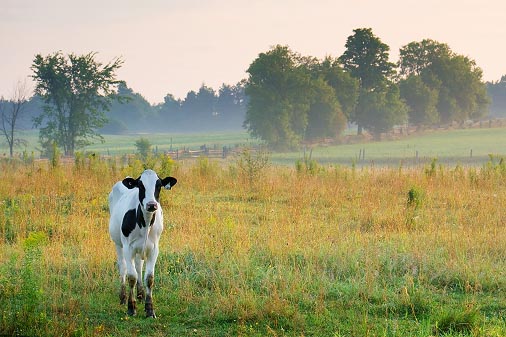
[
  {"x": 295, "y": 98},
  {"x": 286, "y": 100}
]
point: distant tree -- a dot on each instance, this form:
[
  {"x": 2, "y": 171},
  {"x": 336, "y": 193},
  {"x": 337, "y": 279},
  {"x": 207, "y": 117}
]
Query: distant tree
[
  {"x": 384, "y": 109},
  {"x": 421, "y": 100},
  {"x": 11, "y": 112},
  {"x": 278, "y": 90},
  {"x": 198, "y": 107},
  {"x": 143, "y": 146},
  {"x": 76, "y": 90},
  {"x": 130, "y": 111},
  {"x": 497, "y": 93},
  {"x": 456, "y": 80},
  {"x": 417, "y": 57},
  {"x": 325, "y": 117},
  {"x": 169, "y": 113},
  {"x": 366, "y": 58},
  {"x": 230, "y": 107},
  {"x": 346, "y": 87}
]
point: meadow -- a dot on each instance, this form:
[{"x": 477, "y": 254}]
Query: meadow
[
  {"x": 260, "y": 250},
  {"x": 451, "y": 147}
]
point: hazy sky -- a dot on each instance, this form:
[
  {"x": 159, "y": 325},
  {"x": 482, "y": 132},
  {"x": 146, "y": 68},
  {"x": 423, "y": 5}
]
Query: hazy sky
[{"x": 174, "y": 46}]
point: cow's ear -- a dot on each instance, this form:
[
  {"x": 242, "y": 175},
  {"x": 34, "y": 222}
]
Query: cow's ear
[
  {"x": 130, "y": 182},
  {"x": 169, "y": 182}
]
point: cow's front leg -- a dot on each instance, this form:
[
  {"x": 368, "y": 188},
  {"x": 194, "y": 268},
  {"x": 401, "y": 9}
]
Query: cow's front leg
[
  {"x": 132, "y": 281},
  {"x": 140, "y": 288},
  {"x": 150, "y": 282}
]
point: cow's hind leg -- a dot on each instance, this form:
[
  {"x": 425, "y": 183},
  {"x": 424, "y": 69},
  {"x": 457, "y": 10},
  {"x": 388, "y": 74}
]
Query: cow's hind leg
[{"x": 122, "y": 274}]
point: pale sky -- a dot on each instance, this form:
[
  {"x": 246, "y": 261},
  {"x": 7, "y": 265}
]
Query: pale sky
[{"x": 175, "y": 46}]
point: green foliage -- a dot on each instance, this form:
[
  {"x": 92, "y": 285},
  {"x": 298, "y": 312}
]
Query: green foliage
[
  {"x": 251, "y": 165},
  {"x": 23, "y": 310},
  {"x": 143, "y": 146},
  {"x": 415, "y": 197},
  {"x": 291, "y": 98},
  {"x": 366, "y": 57},
  {"x": 421, "y": 100},
  {"x": 465, "y": 320},
  {"x": 307, "y": 165},
  {"x": 55, "y": 156},
  {"x": 76, "y": 90},
  {"x": 439, "y": 85},
  {"x": 379, "y": 106}
]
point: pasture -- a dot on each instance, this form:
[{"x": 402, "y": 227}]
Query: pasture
[
  {"x": 271, "y": 251},
  {"x": 454, "y": 147}
]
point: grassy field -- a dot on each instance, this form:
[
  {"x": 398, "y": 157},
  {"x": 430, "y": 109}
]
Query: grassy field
[
  {"x": 273, "y": 251},
  {"x": 464, "y": 146}
]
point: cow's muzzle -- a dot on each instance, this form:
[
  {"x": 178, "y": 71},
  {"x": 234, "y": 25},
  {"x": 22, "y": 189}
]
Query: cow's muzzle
[{"x": 151, "y": 206}]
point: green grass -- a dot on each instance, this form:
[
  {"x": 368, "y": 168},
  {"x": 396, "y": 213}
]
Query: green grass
[
  {"x": 449, "y": 147},
  {"x": 125, "y": 144}
]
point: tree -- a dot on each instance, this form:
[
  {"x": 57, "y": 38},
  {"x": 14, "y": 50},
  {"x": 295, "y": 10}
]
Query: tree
[
  {"x": 76, "y": 90},
  {"x": 497, "y": 93},
  {"x": 325, "y": 117},
  {"x": 421, "y": 100},
  {"x": 383, "y": 108},
  {"x": 130, "y": 111},
  {"x": 366, "y": 58},
  {"x": 143, "y": 146},
  {"x": 278, "y": 90},
  {"x": 198, "y": 107},
  {"x": 10, "y": 114},
  {"x": 456, "y": 80},
  {"x": 416, "y": 57}
]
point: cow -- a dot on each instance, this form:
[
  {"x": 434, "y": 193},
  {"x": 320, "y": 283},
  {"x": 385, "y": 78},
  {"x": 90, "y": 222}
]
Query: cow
[{"x": 135, "y": 226}]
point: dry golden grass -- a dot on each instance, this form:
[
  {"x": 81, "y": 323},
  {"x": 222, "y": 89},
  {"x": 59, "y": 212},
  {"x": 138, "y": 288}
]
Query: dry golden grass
[{"x": 337, "y": 252}]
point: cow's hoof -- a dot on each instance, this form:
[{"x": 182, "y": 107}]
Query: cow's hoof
[
  {"x": 150, "y": 314},
  {"x": 131, "y": 312}
]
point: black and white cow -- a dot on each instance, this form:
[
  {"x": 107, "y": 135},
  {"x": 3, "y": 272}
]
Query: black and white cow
[{"x": 135, "y": 226}]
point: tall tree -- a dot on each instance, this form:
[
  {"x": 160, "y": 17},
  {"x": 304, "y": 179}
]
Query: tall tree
[
  {"x": 421, "y": 100},
  {"x": 456, "y": 80},
  {"x": 11, "y": 112},
  {"x": 278, "y": 88},
  {"x": 77, "y": 90},
  {"x": 346, "y": 87},
  {"x": 325, "y": 117},
  {"x": 366, "y": 58}
]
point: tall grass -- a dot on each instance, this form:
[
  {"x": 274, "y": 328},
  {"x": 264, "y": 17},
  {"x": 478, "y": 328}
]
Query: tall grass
[{"x": 332, "y": 252}]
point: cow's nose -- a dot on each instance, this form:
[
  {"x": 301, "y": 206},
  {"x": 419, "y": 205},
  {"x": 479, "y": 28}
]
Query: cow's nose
[{"x": 151, "y": 206}]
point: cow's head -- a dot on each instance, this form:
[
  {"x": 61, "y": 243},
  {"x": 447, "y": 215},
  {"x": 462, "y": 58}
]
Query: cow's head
[{"x": 149, "y": 185}]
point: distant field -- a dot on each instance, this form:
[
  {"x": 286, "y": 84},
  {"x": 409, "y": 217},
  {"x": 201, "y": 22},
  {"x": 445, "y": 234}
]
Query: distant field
[
  {"x": 466, "y": 146},
  {"x": 449, "y": 147}
]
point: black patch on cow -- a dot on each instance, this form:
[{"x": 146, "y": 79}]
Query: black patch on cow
[
  {"x": 158, "y": 187},
  {"x": 129, "y": 222},
  {"x": 142, "y": 190},
  {"x": 132, "y": 218}
]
